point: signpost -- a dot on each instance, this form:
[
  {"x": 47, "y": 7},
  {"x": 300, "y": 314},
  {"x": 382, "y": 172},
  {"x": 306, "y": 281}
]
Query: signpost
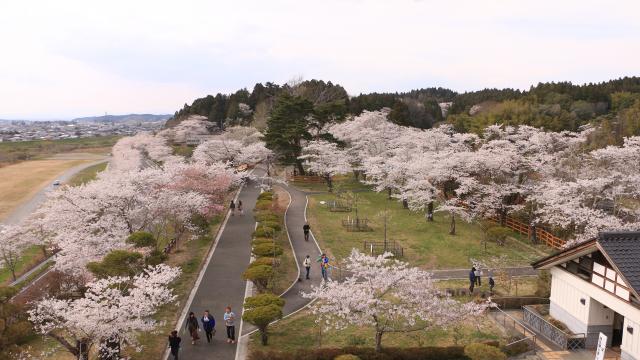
[{"x": 602, "y": 346}]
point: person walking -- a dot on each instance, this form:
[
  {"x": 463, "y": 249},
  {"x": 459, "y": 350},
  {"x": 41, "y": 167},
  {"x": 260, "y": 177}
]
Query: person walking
[
  {"x": 307, "y": 265},
  {"x": 324, "y": 265},
  {"x": 174, "y": 344},
  {"x": 193, "y": 327},
  {"x": 240, "y": 211},
  {"x": 477, "y": 274},
  {"x": 306, "y": 228},
  {"x": 209, "y": 325},
  {"x": 229, "y": 322},
  {"x": 232, "y": 206},
  {"x": 492, "y": 284},
  {"x": 472, "y": 280}
]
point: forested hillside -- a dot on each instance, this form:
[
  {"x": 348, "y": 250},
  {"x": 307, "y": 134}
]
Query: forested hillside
[{"x": 614, "y": 105}]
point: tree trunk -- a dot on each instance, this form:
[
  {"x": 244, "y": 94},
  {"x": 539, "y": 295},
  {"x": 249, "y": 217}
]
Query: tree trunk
[
  {"x": 329, "y": 181},
  {"x": 430, "y": 211},
  {"x": 356, "y": 174},
  {"x": 300, "y": 168},
  {"x": 379, "y": 341},
  {"x": 109, "y": 350},
  {"x": 503, "y": 216},
  {"x": 452, "y": 226},
  {"x": 389, "y": 193},
  {"x": 13, "y": 272},
  {"x": 263, "y": 336}
]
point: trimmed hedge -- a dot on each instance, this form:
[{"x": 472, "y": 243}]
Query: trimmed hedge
[
  {"x": 261, "y": 240},
  {"x": 272, "y": 224},
  {"x": 270, "y": 250},
  {"x": 422, "y": 353},
  {"x": 267, "y": 195},
  {"x": 484, "y": 352},
  {"x": 516, "y": 302},
  {"x": 264, "y": 204},
  {"x": 269, "y": 261},
  {"x": 264, "y": 231},
  {"x": 267, "y": 216}
]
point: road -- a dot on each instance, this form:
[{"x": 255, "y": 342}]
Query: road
[{"x": 28, "y": 207}]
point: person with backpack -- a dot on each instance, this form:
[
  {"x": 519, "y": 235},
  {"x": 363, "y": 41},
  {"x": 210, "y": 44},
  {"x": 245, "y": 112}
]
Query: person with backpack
[
  {"x": 174, "y": 344},
  {"x": 209, "y": 325},
  {"x": 307, "y": 265},
  {"x": 229, "y": 322},
  {"x": 306, "y": 229},
  {"x": 324, "y": 265},
  {"x": 193, "y": 327}
]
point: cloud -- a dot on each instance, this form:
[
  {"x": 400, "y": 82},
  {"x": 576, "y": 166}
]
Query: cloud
[{"x": 77, "y": 57}]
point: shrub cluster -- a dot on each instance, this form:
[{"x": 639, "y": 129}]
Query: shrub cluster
[
  {"x": 422, "y": 353},
  {"x": 267, "y": 252}
]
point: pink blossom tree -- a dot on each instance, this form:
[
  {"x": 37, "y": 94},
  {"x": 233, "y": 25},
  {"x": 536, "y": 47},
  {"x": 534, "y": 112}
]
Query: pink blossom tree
[
  {"x": 326, "y": 160},
  {"x": 13, "y": 241}
]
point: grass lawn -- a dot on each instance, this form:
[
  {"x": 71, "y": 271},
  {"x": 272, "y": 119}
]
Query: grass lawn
[
  {"x": 426, "y": 244},
  {"x": 88, "y": 174},
  {"x": 11, "y": 152},
  {"x": 523, "y": 286},
  {"x": 301, "y": 332},
  {"x": 30, "y": 258}
]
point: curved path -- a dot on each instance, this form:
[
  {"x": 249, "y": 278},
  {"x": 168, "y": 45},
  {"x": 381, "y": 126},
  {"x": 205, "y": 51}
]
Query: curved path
[
  {"x": 28, "y": 207},
  {"x": 219, "y": 283}
]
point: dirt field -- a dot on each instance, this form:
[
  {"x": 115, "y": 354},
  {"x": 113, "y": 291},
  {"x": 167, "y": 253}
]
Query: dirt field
[{"x": 19, "y": 182}]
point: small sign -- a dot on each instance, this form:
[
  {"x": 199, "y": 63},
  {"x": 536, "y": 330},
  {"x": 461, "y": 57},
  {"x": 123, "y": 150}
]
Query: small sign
[{"x": 602, "y": 346}]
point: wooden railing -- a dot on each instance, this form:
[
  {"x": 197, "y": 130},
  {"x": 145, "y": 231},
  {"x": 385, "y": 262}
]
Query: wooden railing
[
  {"x": 305, "y": 178},
  {"x": 541, "y": 234}
]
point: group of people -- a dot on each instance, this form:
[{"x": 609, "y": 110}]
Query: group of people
[
  {"x": 233, "y": 207},
  {"x": 475, "y": 278},
  {"x": 208, "y": 325},
  {"x": 324, "y": 265}
]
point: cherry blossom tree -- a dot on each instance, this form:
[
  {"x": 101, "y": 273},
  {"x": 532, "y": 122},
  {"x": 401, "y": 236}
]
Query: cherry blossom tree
[
  {"x": 325, "y": 159},
  {"x": 13, "y": 241},
  {"x": 109, "y": 314},
  {"x": 389, "y": 296}
]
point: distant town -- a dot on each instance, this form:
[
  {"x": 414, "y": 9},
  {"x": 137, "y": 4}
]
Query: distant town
[{"x": 108, "y": 125}]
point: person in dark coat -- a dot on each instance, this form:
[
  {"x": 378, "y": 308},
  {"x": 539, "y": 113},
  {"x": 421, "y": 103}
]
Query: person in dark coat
[
  {"x": 492, "y": 283},
  {"x": 193, "y": 327},
  {"x": 305, "y": 229},
  {"x": 174, "y": 344},
  {"x": 232, "y": 206},
  {"x": 472, "y": 279},
  {"x": 209, "y": 325}
]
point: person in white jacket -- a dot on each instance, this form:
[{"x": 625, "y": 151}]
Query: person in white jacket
[{"x": 307, "y": 265}]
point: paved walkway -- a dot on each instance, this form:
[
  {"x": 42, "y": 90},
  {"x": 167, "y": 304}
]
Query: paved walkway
[{"x": 221, "y": 284}]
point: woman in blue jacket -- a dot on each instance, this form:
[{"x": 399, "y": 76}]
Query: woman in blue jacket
[{"x": 209, "y": 325}]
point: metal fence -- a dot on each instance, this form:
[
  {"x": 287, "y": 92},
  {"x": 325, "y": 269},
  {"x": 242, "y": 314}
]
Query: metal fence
[
  {"x": 375, "y": 248},
  {"x": 509, "y": 321},
  {"x": 551, "y": 332}
]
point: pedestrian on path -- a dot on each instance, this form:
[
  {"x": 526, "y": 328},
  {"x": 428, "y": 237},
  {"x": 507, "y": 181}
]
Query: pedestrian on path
[
  {"x": 324, "y": 265},
  {"x": 209, "y": 325},
  {"x": 174, "y": 344},
  {"x": 229, "y": 322},
  {"x": 232, "y": 206},
  {"x": 193, "y": 327},
  {"x": 307, "y": 265},
  {"x": 492, "y": 284},
  {"x": 478, "y": 273},
  {"x": 472, "y": 280},
  {"x": 240, "y": 207},
  {"x": 306, "y": 228}
]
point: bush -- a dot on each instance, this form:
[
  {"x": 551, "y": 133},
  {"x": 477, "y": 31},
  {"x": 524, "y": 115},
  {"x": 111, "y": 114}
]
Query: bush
[
  {"x": 498, "y": 234},
  {"x": 484, "y": 352},
  {"x": 264, "y": 231},
  {"x": 261, "y": 310},
  {"x": 543, "y": 284},
  {"x": 423, "y": 353},
  {"x": 516, "y": 302},
  {"x": 266, "y": 215},
  {"x": 272, "y": 224},
  {"x": 117, "y": 263},
  {"x": 141, "y": 239},
  {"x": 271, "y": 250},
  {"x": 261, "y": 240},
  {"x": 355, "y": 340},
  {"x": 259, "y": 275},
  {"x": 156, "y": 257},
  {"x": 264, "y": 205},
  {"x": 517, "y": 348},
  {"x": 267, "y": 195},
  {"x": 269, "y": 261},
  {"x": 346, "y": 357}
]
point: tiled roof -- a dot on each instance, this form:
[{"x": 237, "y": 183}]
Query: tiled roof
[{"x": 623, "y": 248}]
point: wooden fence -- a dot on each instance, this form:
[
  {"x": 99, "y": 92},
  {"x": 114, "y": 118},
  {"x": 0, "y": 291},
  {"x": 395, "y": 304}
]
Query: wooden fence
[
  {"x": 305, "y": 178},
  {"x": 541, "y": 234}
]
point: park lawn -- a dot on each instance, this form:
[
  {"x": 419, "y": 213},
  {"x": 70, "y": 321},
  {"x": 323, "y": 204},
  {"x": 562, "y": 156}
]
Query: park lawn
[
  {"x": 340, "y": 183},
  {"x": 30, "y": 257},
  {"x": 19, "y": 182},
  {"x": 301, "y": 332},
  {"x": 11, "y": 152},
  {"x": 287, "y": 271},
  {"x": 426, "y": 244},
  {"x": 88, "y": 174},
  {"x": 520, "y": 286}
]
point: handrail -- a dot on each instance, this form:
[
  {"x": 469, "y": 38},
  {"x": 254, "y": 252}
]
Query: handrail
[{"x": 536, "y": 314}]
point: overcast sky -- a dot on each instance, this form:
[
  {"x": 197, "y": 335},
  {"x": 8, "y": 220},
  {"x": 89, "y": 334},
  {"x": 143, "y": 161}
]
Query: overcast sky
[{"x": 67, "y": 58}]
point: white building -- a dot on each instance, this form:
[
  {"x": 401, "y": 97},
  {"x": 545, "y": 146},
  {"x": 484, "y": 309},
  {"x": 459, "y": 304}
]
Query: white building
[{"x": 594, "y": 288}]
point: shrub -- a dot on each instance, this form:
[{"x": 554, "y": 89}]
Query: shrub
[
  {"x": 267, "y": 195},
  {"x": 156, "y": 257},
  {"x": 543, "y": 284},
  {"x": 271, "y": 250},
  {"x": 423, "y": 353},
  {"x": 261, "y": 310},
  {"x": 264, "y": 204},
  {"x": 266, "y": 215},
  {"x": 269, "y": 261},
  {"x": 272, "y": 224},
  {"x": 355, "y": 340},
  {"x": 264, "y": 231},
  {"x": 498, "y": 234},
  {"x": 484, "y": 352},
  {"x": 117, "y": 263},
  {"x": 346, "y": 357},
  {"x": 259, "y": 275},
  {"x": 141, "y": 239},
  {"x": 517, "y": 348},
  {"x": 261, "y": 240}
]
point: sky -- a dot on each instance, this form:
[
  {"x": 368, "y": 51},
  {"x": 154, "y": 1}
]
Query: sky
[{"x": 69, "y": 58}]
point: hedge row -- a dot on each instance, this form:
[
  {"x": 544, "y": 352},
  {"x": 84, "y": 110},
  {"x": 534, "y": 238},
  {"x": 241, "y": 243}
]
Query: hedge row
[{"x": 422, "y": 353}]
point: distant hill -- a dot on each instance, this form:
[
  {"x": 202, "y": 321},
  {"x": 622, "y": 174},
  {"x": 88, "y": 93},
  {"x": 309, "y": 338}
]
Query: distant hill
[{"x": 124, "y": 118}]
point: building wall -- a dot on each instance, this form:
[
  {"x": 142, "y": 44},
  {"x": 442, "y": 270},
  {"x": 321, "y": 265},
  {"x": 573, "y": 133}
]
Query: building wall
[{"x": 566, "y": 292}]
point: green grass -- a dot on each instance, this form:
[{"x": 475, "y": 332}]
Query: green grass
[
  {"x": 340, "y": 183},
  {"x": 301, "y": 332},
  {"x": 426, "y": 244},
  {"x": 182, "y": 150},
  {"x": 26, "y": 150},
  {"x": 30, "y": 257},
  {"x": 523, "y": 286},
  {"x": 88, "y": 174}
]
